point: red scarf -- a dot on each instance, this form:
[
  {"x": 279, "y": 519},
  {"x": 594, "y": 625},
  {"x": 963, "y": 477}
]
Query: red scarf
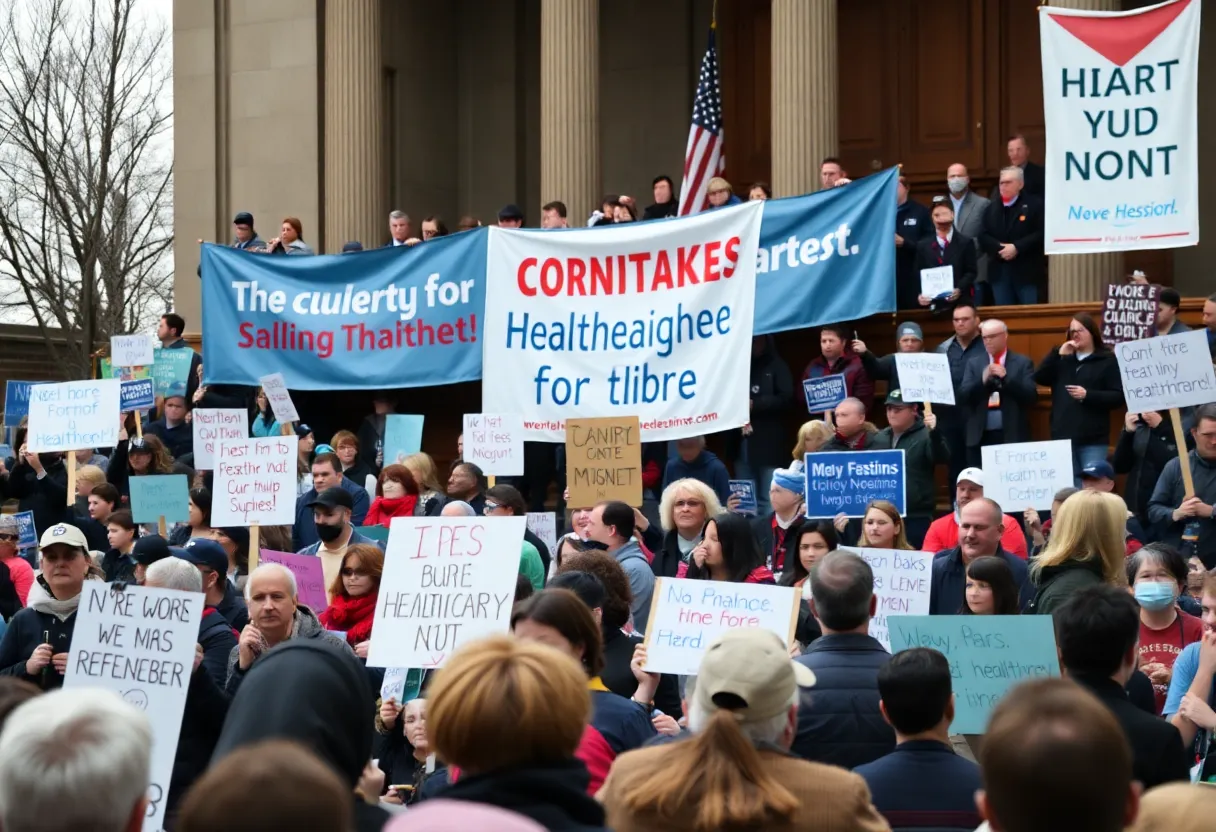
[
  {"x": 856, "y": 443},
  {"x": 352, "y": 615},
  {"x": 384, "y": 509}
]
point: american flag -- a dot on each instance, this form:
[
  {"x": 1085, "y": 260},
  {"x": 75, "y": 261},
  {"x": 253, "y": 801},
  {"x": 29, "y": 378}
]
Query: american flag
[{"x": 703, "y": 159}]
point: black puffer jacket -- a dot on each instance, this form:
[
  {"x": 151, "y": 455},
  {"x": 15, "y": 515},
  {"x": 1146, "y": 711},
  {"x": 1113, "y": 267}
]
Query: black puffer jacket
[
  {"x": 554, "y": 795},
  {"x": 1085, "y": 422}
]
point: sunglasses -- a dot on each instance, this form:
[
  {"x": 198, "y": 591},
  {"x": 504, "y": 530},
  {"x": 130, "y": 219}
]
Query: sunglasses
[
  {"x": 11, "y": 538},
  {"x": 349, "y": 572},
  {"x": 490, "y": 507}
]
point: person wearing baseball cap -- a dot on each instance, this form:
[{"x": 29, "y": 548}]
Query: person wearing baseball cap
[
  {"x": 35, "y": 645},
  {"x": 510, "y": 217},
  {"x": 147, "y": 551},
  {"x": 742, "y": 711},
  {"x": 211, "y": 560},
  {"x": 1098, "y": 476},
  {"x": 924, "y": 448},
  {"x": 943, "y": 532},
  {"x": 331, "y": 512}
]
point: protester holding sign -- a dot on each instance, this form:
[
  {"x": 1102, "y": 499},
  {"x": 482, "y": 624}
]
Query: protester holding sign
[
  {"x": 834, "y": 360},
  {"x": 35, "y": 645},
  {"x": 909, "y": 338},
  {"x": 1186, "y": 519},
  {"x": 139, "y": 457},
  {"x": 1085, "y": 387},
  {"x": 728, "y": 553},
  {"x": 947, "y": 249},
  {"x": 396, "y": 496},
  {"x": 352, "y": 597},
  {"x": 686, "y": 506},
  {"x": 924, "y": 448},
  {"x": 1086, "y": 548}
]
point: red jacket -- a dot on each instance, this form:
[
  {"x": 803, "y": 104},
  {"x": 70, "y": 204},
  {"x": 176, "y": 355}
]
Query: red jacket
[
  {"x": 383, "y": 510},
  {"x": 857, "y": 383}
]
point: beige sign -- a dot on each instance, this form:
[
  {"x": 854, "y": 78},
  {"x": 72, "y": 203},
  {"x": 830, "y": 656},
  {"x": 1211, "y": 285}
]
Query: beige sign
[{"x": 604, "y": 461}]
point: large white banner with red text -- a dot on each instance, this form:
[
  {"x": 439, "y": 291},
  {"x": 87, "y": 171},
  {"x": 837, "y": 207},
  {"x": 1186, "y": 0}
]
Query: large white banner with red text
[
  {"x": 1119, "y": 96},
  {"x": 648, "y": 319}
]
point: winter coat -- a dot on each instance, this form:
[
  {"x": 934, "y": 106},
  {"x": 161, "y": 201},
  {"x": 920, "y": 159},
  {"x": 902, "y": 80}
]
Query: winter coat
[
  {"x": 44, "y": 621},
  {"x": 771, "y": 392},
  {"x": 1168, "y": 495},
  {"x": 178, "y": 439},
  {"x": 306, "y": 627},
  {"x": 304, "y": 531},
  {"x": 924, "y": 450},
  {"x": 202, "y": 722},
  {"x": 554, "y": 795},
  {"x": 857, "y": 382},
  {"x": 1056, "y": 584},
  {"x": 217, "y": 638},
  {"x": 1143, "y": 455},
  {"x": 46, "y": 497},
  {"x": 948, "y": 583},
  {"x": 1085, "y": 422}
]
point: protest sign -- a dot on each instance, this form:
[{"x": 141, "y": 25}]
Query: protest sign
[
  {"x": 279, "y": 397},
  {"x": 16, "y": 401},
  {"x": 27, "y": 533},
  {"x": 157, "y": 497},
  {"x": 543, "y": 524},
  {"x": 901, "y": 584},
  {"x": 137, "y": 395},
  {"x": 494, "y": 442},
  {"x": 73, "y": 414},
  {"x": 652, "y": 320},
  {"x": 401, "y": 684},
  {"x": 824, "y": 393},
  {"x": 447, "y": 581},
  {"x": 392, "y": 317},
  {"x": 132, "y": 350},
  {"x": 988, "y": 654},
  {"x": 1130, "y": 312},
  {"x": 1024, "y": 475},
  {"x": 1167, "y": 371},
  {"x": 309, "y": 574},
  {"x": 213, "y": 425},
  {"x": 379, "y": 533},
  {"x": 603, "y": 461},
  {"x": 936, "y": 281},
  {"x": 1120, "y": 103},
  {"x": 745, "y": 490},
  {"x": 402, "y": 436},
  {"x": 924, "y": 377},
  {"x": 171, "y": 369},
  {"x": 255, "y": 482},
  {"x": 6, "y": 451},
  {"x": 687, "y": 615},
  {"x": 139, "y": 643},
  {"x": 846, "y": 481}
]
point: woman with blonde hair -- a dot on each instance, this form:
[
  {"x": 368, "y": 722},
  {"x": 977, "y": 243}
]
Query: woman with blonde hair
[
  {"x": 519, "y": 755},
  {"x": 1088, "y": 545},
  {"x": 719, "y": 192},
  {"x": 812, "y": 436},
  {"x": 687, "y": 505},
  {"x": 431, "y": 496},
  {"x": 882, "y": 527}
]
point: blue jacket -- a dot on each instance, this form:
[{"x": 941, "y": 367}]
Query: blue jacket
[
  {"x": 355, "y": 537},
  {"x": 304, "y": 532},
  {"x": 947, "y": 592},
  {"x": 706, "y": 467},
  {"x": 838, "y": 720},
  {"x": 923, "y": 784}
]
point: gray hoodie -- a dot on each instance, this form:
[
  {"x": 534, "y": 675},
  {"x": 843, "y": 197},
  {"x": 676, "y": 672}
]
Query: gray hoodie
[{"x": 641, "y": 581}]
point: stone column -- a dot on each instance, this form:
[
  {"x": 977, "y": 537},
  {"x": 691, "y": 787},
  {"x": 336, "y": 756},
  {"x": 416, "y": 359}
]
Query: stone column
[
  {"x": 570, "y": 106},
  {"x": 804, "y": 94},
  {"x": 1078, "y": 278},
  {"x": 354, "y": 165}
]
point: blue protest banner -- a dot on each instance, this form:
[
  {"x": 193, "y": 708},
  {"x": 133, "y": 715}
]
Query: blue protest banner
[
  {"x": 16, "y": 402},
  {"x": 389, "y": 317},
  {"x": 154, "y": 496},
  {"x": 28, "y": 535},
  {"x": 139, "y": 394},
  {"x": 824, "y": 393},
  {"x": 745, "y": 490},
  {"x": 988, "y": 654},
  {"x": 846, "y": 481},
  {"x": 402, "y": 436},
  {"x": 828, "y": 256}
]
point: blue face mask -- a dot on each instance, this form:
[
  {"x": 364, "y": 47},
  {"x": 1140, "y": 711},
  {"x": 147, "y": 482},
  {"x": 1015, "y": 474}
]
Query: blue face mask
[{"x": 1156, "y": 595}]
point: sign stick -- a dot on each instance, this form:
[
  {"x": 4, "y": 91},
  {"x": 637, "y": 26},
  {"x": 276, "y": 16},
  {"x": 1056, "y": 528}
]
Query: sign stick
[
  {"x": 928, "y": 408},
  {"x": 162, "y": 528},
  {"x": 139, "y": 424},
  {"x": 254, "y": 545},
  {"x": 71, "y": 460},
  {"x": 490, "y": 480},
  {"x": 1184, "y": 461}
]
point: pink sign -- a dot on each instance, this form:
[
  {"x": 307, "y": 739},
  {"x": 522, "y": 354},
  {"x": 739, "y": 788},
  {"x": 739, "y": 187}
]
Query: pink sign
[{"x": 310, "y": 576}]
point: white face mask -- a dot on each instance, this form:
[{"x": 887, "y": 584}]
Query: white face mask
[{"x": 957, "y": 184}]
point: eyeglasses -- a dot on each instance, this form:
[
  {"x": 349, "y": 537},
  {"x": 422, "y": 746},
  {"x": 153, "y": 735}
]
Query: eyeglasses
[
  {"x": 689, "y": 504},
  {"x": 11, "y": 538},
  {"x": 350, "y": 572},
  {"x": 490, "y": 507},
  {"x": 1073, "y": 332}
]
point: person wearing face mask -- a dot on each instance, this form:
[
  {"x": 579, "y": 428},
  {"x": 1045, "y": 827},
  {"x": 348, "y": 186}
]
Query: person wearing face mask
[
  {"x": 1158, "y": 575},
  {"x": 969, "y": 208},
  {"x": 946, "y": 246},
  {"x": 331, "y": 512}
]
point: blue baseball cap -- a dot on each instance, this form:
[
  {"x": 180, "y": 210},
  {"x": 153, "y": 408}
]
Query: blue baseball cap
[
  {"x": 1098, "y": 470},
  {"x": 202, "y": 551}
]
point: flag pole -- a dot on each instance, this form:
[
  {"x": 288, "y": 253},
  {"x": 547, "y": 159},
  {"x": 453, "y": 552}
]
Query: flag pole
[{"x": 713, "y": 16}]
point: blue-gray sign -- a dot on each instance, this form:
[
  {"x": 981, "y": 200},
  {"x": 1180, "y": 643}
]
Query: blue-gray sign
[
  {"x": 824, "y": 393},
  {"x": 846, "y": 481}
]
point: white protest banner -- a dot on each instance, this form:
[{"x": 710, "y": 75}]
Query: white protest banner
[
  {"x": 901, "y": 584},
  {"x": 543, "y": 524},
  {"x": 687, "y": 615},
  {"x": 447, "y": 581},
  {"x": 139, "y": 643},
  {"x": 494, "y": 442},
  {"x": 1119, "y": 98},
  {"x": 1024, "y": 475},
  {"x": 652, "y": 320},
  {"x": 132, "y": 350},
  {"x": 1164, "y": 372},
  {"x": 276, "y": 392},
  {"x": 213, "y": 425},
  {"x": 255, "y": 482},
  {"x": 925, "y": 377},
  {"x": 73, "y": 415},
  {"x": 936, "y": 281}
]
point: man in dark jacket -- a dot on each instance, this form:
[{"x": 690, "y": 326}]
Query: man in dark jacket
[
  {"x": 841, "y": 722},
  {"x": 913, "y": 223},
  {"x": 1097, "y": 632},
  {"x": 980, "y": 528},
  {"x": 964, "y": 345},
  {"x": 924, "y": 449},
  {"x": 998, "y": 391},
  {"x": 853, "y": 433},
  {"x": 326, "y": 473},
  {"x": 172, "y": 429},
  {"x": 1187, "y": 523},
  {"x": 1012, "y": 236},
  {"x": 945, "y": 247},
  {"x": 909, "y": 338},
  {"x": 762, "y": 446},
  {"x": 170, "y": 330},
  {"x": 210, "y": 559},
  {"x": 371, "y": 431},
  {"x": 834, "y": 360},
  {"x": 693, "y": 461},
  {"x": 216, "y": 636}
]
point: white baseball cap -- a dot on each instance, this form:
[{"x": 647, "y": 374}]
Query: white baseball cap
[
  {"x": 64, "y": 533},
  {"x": 974, "y": 475}
]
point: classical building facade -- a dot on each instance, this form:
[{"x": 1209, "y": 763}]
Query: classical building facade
[{"x": 336, "y": 111}]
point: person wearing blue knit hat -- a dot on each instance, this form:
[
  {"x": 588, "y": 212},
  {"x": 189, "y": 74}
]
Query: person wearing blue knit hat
[{"x": 772, "y": 530}]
